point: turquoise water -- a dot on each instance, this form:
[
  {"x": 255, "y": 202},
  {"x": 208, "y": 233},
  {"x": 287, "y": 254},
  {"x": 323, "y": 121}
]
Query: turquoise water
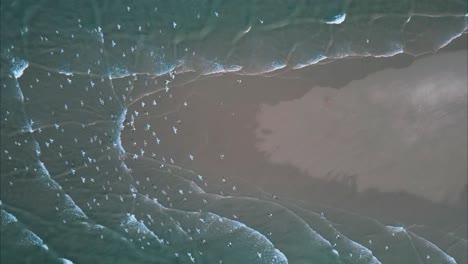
[{"x": 71, "y": 70}]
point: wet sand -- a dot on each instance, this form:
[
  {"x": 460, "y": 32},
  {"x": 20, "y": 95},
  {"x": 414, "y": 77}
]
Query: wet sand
[{"x": 236, "y": 130}]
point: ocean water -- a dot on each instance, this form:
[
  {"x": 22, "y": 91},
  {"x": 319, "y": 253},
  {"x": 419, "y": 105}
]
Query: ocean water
[{"x": 72, "y": 73}]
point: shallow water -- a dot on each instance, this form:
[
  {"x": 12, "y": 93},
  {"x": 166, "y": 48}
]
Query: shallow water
[{"x": 111, "y": 153}]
